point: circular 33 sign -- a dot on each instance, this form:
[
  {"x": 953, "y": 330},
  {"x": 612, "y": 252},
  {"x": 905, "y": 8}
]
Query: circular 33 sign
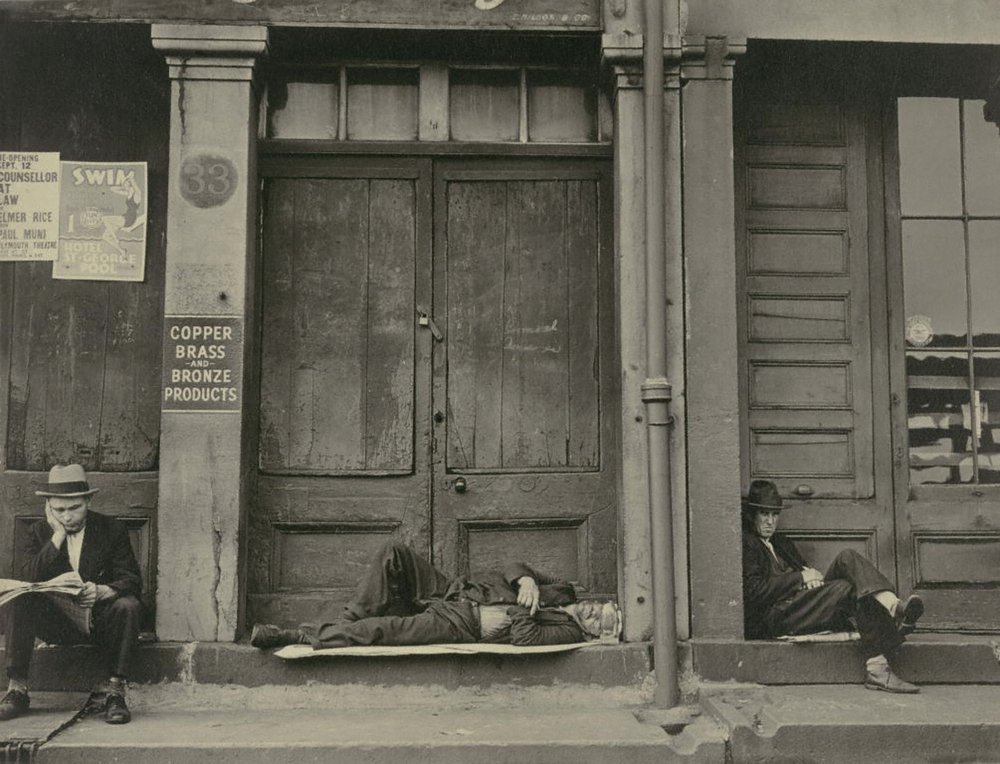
[{"x": 208, "y": 180}]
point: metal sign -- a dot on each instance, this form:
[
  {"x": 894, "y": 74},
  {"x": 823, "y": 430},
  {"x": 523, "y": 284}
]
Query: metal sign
[{"x": 202, "y": 361}]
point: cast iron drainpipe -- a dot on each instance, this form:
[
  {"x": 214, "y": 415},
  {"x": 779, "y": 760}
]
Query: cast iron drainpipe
[{"x": 656, "y": 389}]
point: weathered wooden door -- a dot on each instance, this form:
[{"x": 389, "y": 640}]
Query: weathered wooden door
[
  {"x": 943, "y": 205},
  {"x": 812, "y": 340},
  {"x": 511, "y": 451},
  {"x": 525, "y": 386},
  {"x": 80, "y": 361},
  {"x": 345, "y": 394}
]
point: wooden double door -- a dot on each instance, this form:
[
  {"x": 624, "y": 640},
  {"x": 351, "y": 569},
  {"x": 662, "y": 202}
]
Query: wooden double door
[
  {"x": 868, "y": 332},
  {"x": 437, "y": 367}
]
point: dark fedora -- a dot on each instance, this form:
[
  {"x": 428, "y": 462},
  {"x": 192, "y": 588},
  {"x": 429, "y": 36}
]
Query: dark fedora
[
  {"x": 763, "y": 494},
  {"x": 68, "y": 481}
]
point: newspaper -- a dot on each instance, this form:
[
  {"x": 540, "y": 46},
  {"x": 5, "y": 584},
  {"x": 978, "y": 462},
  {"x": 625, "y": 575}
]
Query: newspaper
[{"x": 62, "y": 590}]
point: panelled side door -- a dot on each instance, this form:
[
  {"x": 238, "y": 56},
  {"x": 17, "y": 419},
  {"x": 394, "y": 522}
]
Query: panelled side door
[{"x": 807, "y": 248}]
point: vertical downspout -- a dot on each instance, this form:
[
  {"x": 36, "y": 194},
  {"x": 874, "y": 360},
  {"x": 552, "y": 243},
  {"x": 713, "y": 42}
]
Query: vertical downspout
[{"x": 656, "y": 389}]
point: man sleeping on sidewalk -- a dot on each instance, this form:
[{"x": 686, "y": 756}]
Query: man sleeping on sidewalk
[{"x": 403, "y": 600}]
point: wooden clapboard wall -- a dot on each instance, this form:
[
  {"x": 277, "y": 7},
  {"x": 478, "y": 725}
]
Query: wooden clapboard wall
[{"x": 80, "y": 360}]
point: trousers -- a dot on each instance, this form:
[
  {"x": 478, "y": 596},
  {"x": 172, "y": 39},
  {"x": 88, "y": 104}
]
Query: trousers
[
  {"x": 844, "y": 601},
  {"x": 114, "y": 627},
  {"x": 398, "y": 602}
]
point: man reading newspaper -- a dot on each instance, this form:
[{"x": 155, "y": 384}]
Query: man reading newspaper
[{"x": 73, "y": 539}]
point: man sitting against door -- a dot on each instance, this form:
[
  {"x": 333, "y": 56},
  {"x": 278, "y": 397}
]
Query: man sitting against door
[
  {"x": 403, "y": 600},
  {"x": 97, "y": 546},
  {"x": 782, "y": 595}
]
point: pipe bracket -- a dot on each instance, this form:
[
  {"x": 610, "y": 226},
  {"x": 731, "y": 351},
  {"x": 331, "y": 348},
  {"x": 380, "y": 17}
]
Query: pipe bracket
[{"x": 657, "y": 390}]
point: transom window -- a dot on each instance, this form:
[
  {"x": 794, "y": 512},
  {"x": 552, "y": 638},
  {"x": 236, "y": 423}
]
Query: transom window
[
  {"x": 434, "y": 102},
  {"x": 949, "y": 187}
]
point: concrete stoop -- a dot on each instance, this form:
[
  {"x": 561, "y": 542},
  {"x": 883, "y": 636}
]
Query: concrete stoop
[
  {"x": 925, "y": 658},
  {"x": 230, "y": 703},
  {"x": 846, "y": 724},
  {"x": 222, "y": 663},
  {"x": 410, "y": 735}
]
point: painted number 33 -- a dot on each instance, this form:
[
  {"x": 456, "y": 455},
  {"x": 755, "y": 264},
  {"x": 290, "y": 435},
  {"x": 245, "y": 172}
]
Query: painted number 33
[{"x": 207, "y": 180}]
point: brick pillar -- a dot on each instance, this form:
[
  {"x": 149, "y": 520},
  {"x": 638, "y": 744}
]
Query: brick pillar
[
  {"x": 208, "y": 435},
  {"x": 713, "y": 431}
]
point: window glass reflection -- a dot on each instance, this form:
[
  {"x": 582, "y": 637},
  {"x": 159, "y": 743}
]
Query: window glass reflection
[
  {"x": 984, "y": 264},
  {"x": 930, "y": 177},
  {"x": 934, "y": 283},
  {"x": 939, "y": 418},
  {"x": 986, "y": 400},
  {"x": 982, "y": 162}
]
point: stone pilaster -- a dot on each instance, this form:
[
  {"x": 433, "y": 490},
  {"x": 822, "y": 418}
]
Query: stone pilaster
[
  {"x": 208, "y": 433},
  {"x": 713, "y": 433},
  {"x": 623, "y": 54}
]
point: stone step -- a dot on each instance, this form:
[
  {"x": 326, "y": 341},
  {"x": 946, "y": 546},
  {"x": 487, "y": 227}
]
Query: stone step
[
  {"x": 80, "y": 667},
  {"x": 841, "y": 724},
  {"x": 191, "y": 723},
  {"x": 926, "y": 657}
]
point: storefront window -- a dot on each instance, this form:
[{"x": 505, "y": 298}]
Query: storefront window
[{"x": 949, "y": 179}]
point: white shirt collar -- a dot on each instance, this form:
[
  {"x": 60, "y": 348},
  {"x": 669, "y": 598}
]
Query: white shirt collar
[{"x": 74, "y": 543}]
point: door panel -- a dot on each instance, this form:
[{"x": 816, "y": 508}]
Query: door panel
[
  {"x": 805, "y": 252},
  {"x": 524, "y": 377},
  {"x": 343, "y": 451}
]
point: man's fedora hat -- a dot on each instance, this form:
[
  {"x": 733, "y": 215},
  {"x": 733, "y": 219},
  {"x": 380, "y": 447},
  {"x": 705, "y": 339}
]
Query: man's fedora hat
[
  {"x": 67, "y": 480},
  {"x": 763, "y": 494}
]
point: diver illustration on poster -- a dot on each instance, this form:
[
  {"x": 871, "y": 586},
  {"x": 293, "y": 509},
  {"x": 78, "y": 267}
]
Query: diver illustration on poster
[{"x": 102, "y": 224}]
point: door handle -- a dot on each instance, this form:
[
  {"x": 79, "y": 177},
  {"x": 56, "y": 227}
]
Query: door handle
[{"x": 461, "y": 485}]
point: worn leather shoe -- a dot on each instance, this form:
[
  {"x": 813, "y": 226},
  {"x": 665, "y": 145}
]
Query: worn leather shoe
[
  {"x": 116, "y": 711},
  {"x": 266, "y": 635},
  {"x": 907, "y": 614},
  {"x": 883, "y": 679},
  {"x": 14, "y": 703}
]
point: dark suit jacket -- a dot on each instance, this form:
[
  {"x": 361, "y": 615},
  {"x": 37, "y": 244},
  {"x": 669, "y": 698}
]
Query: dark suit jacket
[
  {"x": 105, "y": 558},
  {"x": 762, "y": 588},
  {"x": 501, "y": 588}
]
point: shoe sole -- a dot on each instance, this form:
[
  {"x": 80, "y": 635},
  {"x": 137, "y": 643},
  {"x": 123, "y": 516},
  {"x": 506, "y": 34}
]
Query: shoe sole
[
  {"x": 911, "y": 614},
  {"x": 880, "y": 688}
]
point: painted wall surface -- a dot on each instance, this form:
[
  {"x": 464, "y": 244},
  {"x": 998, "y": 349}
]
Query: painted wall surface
[{"x": 932, "y": 21}]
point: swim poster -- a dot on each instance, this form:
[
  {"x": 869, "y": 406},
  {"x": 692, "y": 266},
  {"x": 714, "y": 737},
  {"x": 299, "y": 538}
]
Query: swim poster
[{"x": 102, "y": 221}]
